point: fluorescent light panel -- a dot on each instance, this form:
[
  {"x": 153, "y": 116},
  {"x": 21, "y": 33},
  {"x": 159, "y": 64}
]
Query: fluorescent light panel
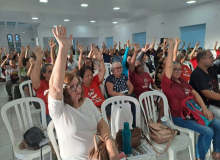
[
  {"x": 54, "y": 25},
  {"x": 92, "y": 21},
  {"x": 35, "y": 18},
  {"x": 114, "y": 22},
  {"x": 66, "y": 20},
  {"x": 116, "y": 8},
  {"x": 43, "y": 1},
  {"x": 190, "y": 2},
  {"x": 84, "y": 5}
]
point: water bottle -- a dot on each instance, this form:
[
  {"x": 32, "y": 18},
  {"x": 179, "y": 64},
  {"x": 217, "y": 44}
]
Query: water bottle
[
  {"x": 126, "y": 136},
  {"x": 164, "y": 120}
]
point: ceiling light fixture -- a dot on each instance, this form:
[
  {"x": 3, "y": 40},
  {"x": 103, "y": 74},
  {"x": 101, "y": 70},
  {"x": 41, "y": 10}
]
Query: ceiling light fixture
[
  {"x": 190, "y": 2},
  {"x": 43, "y": 1},
  {"x": 116, "y": 8},
  {"x": 84, "y": 5},
  {"x": 54, "y": 25},
  {"x": 114, "y": 22},
  {"x": 66, "y": 20},
  {"x": 35, "y": 18},
  {"x": 92, "y": 21},
  {"x": 23, "y": 32}
]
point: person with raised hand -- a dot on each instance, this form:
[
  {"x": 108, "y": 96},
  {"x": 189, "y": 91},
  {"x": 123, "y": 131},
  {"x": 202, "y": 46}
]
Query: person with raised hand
[
  {"x": 193, "y": 54},
  {"x": 126, "y": 59},
  {"x": 217, "y": 50},
  {"x": 72, "y": 112},
  {"x": 52, "y": 45},
  {"x": 173, "y": 84},
  {"x": 40, "y": 77}
]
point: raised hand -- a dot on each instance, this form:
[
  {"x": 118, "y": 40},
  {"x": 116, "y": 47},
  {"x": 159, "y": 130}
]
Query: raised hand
[
  {"x": 177, "y": 40},
  {"x": 92, "y": 46},
  {"x": 22, "y": 49},
  {"x": 216, "y": 42},
  {"x": 110, "y": 47},
  {"x": 98, "y": 55},
  {"x": 39, "y": 53},
  {"x": 197, "y": 44},
  {"x": 154, "y": 39},
  {"x": 128, "y": 43},
  {"x": 5, "y": 49},
  {"x": 31, "y": 60},
  {"x": 52, "y": 44},
  {"x": 28, "y": 47},
  {"x": 81, "y": 48},
  {"x": 1, "y": 50},
  {"x": 170, "y": 41},
  {"x": 136, "y": 47},
  {"x": 61, "y": 37},
  {"x": 146, "y": 47},
  {"x": 103, "y": 43}
]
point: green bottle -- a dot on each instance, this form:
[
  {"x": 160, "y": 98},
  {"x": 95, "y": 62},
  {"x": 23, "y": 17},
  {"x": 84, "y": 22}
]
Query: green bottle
[{"x": 126, "y": 136}]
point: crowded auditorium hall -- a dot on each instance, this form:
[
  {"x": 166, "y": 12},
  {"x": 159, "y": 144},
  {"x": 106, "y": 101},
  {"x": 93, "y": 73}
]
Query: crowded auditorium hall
[{"x": 109, "y": 80}]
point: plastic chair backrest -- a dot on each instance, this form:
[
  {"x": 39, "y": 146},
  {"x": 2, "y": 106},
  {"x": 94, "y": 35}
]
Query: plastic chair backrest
[
  {"x": 108, "y": 67},
  {"x": 31, "y": 91},
  {"x": 148, "y": 99},
  {"x": 189, "y": 64},
  {"x": 23, "y": 114},
  {"x": 50, "y": 131},
  {"x": 117, "y": 100}
]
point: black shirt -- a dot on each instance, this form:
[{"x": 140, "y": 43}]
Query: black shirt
[
  {"x": 156, "y": 59},
  {"x": 107, "y": 58},
  {"x": 200, "y": 80}
]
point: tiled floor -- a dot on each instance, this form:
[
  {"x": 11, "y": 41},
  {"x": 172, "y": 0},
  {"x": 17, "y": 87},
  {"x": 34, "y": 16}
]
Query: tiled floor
[{"x": 6, "y": 152}]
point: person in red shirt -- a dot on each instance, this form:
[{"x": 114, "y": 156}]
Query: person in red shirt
[
  {"x": 176, "y": 89},
  {"x": 193, "y": 54},
  {"x": 217, "y": 50},
  {"x": 91, "y": 84},
  {"x": 40, "y": 77}
]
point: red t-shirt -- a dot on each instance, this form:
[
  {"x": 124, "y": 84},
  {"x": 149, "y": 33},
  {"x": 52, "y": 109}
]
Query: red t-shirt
[
  {"x": 93, "y": 92},
  {"x": 175, "y": 93},
  {"x": 217, "y": 53},
  {"x": 194, "y": 62},
  {"x": 44, "y": 85},
  {"x": 186, "y": 72},
  {"x": 141, "y": 83}
]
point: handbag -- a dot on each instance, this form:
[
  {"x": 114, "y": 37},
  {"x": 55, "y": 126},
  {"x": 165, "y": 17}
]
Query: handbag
[
  {"x": 136, "y": 135},
  {"x": 161, "y": 134},
  {"x": 190, "y": 108},
  {"x": 99, "y": 152}
]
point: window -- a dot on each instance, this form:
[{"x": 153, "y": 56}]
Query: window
[
  {"x": 18, "y": 42},
  {"x": 10, "y": 42},
  {"x": 140, "y": 38},
  {"x": 109, "y": 41}
]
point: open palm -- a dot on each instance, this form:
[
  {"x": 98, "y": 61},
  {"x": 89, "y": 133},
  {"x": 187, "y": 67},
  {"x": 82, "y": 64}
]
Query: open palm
[{"x": 60, "y": 35}]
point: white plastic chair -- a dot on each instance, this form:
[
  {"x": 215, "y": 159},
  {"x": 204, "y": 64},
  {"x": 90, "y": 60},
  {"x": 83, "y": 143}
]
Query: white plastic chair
[
  {"x": 180, "y": 142},
  {"x": 189, "y": 64},
  {"x": 25, "y": 122},
  {"x": 103, "y": 90},
  {"x": 108, "y": 67},
  {"x": 32, "y": 94},
  {"x": 117, "y": 101},
  {"x": 50, "y": 131}
]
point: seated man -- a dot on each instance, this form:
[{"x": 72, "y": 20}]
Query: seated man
[
  {"x": 118, "y": 84},
  {"x": 204, "y": 80}
]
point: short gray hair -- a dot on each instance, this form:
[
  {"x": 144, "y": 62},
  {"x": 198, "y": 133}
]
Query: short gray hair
[
  {"x": 179, "y": 57},
  {"x": 113, "y": 65}
]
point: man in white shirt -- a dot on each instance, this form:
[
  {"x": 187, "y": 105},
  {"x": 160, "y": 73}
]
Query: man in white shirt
[{"x": 71, "y": 64}]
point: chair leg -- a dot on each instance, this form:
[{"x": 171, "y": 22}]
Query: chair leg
[
  {"x": 193, "y": 140},
  {"x": 190, "y": 147},
  {"x": 172, "y": 154}
]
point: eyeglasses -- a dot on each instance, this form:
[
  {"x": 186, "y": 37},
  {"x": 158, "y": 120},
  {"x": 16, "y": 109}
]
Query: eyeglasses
[
  {"x": 176, "y": 70},
  {"x": 118, "y": 68},
  {"x": 140, "y": 66},
  {"x": 211, "y": 57},
  {"x": 74, "y": 87}
]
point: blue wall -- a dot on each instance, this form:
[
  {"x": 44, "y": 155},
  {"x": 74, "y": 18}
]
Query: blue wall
[
  {"x": 109, "y": 42},
  {"x": 140, "y": 38},
  {"x": 193, "y": 34}
]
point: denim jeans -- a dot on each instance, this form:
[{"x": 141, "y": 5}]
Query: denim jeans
[{"x": 207, "y": 133}]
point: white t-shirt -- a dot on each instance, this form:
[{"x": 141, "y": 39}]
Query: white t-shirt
[
  {"x": 71, "y": 66},
  {"x": 10, "y": 71},
  {"x": 75, "y": 128}
]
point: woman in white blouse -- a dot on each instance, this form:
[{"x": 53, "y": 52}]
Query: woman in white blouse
[{"x": 76, "y": 118}]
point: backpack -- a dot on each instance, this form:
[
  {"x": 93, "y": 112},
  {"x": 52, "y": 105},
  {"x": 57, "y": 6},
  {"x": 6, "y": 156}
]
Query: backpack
[{"x": 189, "y": 107}]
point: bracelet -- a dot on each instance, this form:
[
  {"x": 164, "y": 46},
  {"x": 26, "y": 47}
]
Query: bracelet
[
  {"x": 101, "y": 60},
  {"x": 111, "y": 138}
]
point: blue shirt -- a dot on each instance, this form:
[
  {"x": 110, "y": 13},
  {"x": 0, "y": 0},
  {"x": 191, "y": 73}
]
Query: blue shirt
[
  {"x": 124, "y": 62},
  {"x": 117, "y": 58}
]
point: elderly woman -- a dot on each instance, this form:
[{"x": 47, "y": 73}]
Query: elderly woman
[
  {"x": 40, "y": 77},
  {"x": 91, "y": 84},
  {"x": 76, "y": 118},
  {"x": 173, "y": 84}
]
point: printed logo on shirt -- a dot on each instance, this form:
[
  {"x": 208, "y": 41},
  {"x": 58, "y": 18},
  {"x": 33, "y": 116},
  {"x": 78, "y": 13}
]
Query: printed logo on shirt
[
  {"x": 187, "y": 91},
  {"x": 93, "y": 96}
]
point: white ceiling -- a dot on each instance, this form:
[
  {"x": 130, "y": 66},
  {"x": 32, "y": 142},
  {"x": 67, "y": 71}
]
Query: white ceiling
[{"x": 55, "y": 11}]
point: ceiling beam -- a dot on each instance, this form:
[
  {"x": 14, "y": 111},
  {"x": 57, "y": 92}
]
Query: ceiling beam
[{"x": 5, "y": 24}]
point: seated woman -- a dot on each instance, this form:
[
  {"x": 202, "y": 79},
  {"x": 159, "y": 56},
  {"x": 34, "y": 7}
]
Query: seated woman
[
  {"x": 186, "y": 72},
  {"x": 76, "y": 119},
  {"x": 40, "y": 77},
  {"x": 177, "y": 89},
  {"x": 159, "y": 72},
  {"x": 91, "y": 84}
]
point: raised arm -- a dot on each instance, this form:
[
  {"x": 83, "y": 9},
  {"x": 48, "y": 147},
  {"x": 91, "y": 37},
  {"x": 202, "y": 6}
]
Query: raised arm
[
  {"x": 178, "y": 41},
  {"x": 3, "y": 63},
  {"x": 20, "y": 59},
  {"x": 169, "y": 62},
  {"x": 35, "y": 76},
  {"x": 81, "y": 49},
  {"x": 1, "y": 51},
  {"x": 119, "y": 45},
  {"x": 57, "y": 76},
  {"x": 32, "y": 63},
  {"x": 101, "y": 73},
  {"x": 153, "y": 43},
  {"x": 188, "y": 46},
  {"x": 27, "y": 51},
  {"x": 115, "y": 46},
  {"x": 91, "y": 50},
  {"x": 183, "y": 45},
  {"x": 133, "y": 59},
  {"x": 124, "y": 61},
  {"x": 193, "y": 51},
  {"x": 52, "y": 45},
  {"x": 215, "y": 47},
  {"x": 5, "y": 50}
]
